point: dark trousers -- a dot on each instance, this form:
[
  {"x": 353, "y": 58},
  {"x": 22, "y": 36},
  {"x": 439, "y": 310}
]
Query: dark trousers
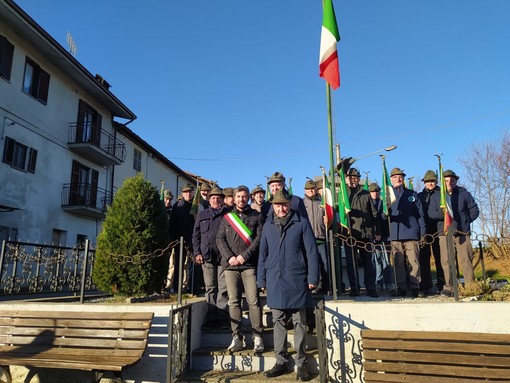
[
  {"x": 352, "y": 269},
  {"x": 426, "y": 276}
]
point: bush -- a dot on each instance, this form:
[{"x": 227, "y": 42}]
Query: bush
[{"x": 135, "y": 226}]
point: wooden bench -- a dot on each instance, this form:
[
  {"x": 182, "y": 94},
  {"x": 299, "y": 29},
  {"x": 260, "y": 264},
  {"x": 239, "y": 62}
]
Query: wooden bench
[
  {"x": 425, "y": 357},
  {"x": 94, "y": 341}
]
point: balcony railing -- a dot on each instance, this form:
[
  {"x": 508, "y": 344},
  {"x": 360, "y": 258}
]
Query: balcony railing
[
  {"x": 83, "y": 199},
  {"x": 96, "y": 144}
]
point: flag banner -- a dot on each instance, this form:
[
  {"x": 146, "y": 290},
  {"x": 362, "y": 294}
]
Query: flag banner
[
  {"x": 445, "y": 201},
  {"x": 327, "y": 199},
  {"x": 344, "y": 205},
  {"x": 328, "y": 62},
  {"x": 411, "y": 186},
  {"x": 365, "y": 187},
  {"x": 196, "y": 205},
  {"x": 387, "y": 192}
]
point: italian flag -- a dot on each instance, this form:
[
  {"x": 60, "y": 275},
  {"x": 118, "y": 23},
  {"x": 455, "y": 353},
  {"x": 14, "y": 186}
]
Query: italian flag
[
  {"x": 327, "y": 199},
  {"x": 328, "y": 64}
]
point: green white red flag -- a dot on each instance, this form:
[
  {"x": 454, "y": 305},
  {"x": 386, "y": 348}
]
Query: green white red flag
[
  {"x": 327, "y": 199},
  {"x": 328, "y": 61}
]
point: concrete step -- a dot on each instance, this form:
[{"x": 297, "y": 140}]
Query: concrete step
[
  {"x": 219, "y": 359},
  {"x": 214, "y": 376},
  {"x": 222, "y": 338}
]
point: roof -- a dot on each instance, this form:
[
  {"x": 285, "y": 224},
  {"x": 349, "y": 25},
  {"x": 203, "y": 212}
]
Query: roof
[{"x": 123, "y": 129}]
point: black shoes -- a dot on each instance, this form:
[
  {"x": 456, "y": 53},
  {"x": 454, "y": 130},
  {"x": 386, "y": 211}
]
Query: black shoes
[
  {"x": 353, "y": 293},
  {"x": 372, "y": 293},
  {"x": 399, "y": 293},
  {"x": 277, "y": 370},
  {"x": 416, "y": 293},
  {"x": 303, "y": 374}
]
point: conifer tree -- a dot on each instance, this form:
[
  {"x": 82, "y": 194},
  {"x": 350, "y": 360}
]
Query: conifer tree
[{"x": 134, "y": 228}]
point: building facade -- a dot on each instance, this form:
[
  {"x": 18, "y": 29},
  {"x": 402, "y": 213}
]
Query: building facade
[{"x": 64, "y": 143}]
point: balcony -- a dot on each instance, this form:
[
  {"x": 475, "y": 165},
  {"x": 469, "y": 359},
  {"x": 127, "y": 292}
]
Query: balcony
[
  {"x": 95, "y": 144},
  {"x": 86, "y": 201}
]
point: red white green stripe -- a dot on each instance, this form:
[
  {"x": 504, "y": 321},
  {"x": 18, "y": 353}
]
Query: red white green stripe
[
  {"x": 328, "y": 63},
  {"x": 241, "y": 229}
]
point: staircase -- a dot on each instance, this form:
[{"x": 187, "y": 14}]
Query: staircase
[{"x": 211, "y": 362}]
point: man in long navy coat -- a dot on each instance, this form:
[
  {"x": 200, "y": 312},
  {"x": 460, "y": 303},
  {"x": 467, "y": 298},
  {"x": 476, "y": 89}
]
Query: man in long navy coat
[{"x": 288, "y": 270}]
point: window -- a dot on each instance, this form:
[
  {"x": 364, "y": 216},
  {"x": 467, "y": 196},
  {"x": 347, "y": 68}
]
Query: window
[
  {"x": 137, "y": 160},
  {"x": 36, "y": 81},
  {"x": 88, "y": 128},
  {"x": 8, "y": 233},
  {"x": 84, "y": 185},
  {"x": 80, "y": 239},
  {"x": 6, "y": 53},
  {"x": 58, "y": 237},
  {"x": 19, "y": 156}
]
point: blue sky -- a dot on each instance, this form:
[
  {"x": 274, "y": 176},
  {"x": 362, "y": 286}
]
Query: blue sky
[{"x": 229, "y": 90}]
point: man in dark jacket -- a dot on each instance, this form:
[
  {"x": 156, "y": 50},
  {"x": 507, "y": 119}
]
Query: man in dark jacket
[
  {"x": 288, "y": 270},
  {"x": 206, "y": 253},
  {"x": 364, "y": 228},
  {"x": 407, "y": 227},
  {"x": 181, "y": 225},
  {"x": 430, "y": 199},
  {"x": 238, "y": 240},
  {"x": 465, "y": 211}
]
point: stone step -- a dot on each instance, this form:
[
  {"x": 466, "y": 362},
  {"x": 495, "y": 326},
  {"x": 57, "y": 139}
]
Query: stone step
[
  {"x": 222, "y": 338},
  {"x": 214, "y": 376},
  {"x": 219, "y": 359}
]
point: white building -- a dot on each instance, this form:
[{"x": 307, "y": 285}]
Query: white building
[{"x": 63, "y": 152}]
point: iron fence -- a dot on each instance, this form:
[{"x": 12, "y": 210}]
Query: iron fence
[
  {"x": 179, "y": 342},
  {"x": 27, "y": 268}
]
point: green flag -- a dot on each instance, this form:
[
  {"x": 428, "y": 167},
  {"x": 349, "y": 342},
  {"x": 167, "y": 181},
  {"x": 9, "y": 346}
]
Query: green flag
[
  {"x": 197, "y": 202},
  {"x": 344, "y": 206},
  {"x": 411, "y": 186},
  {"x": 365, "y": 187},
  {"x": 387, "y": 192}
]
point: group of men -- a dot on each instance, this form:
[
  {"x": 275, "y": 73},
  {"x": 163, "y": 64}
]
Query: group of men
[
  {"x": 408, "y": 235},
  {"x": 279, "y": 246},
  {"x": 243, "y": 248}
]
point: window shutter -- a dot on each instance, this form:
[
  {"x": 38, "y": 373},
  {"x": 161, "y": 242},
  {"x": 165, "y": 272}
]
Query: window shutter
[
  {"x": 79, "y": 122},
  {"x": 93, "y": 188},
  {"x": 6, "y": 53},
  {"x": 32, "y": 159},
  {"x": 44, "y": 85},
  {"x": 75, "y": 183},
  {"x": 8, "y": 150}
]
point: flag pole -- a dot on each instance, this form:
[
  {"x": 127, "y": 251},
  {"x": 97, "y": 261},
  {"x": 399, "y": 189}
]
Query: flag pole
[
  {"x": 385, "y": 202},
  {"x": 333, "y": 188}
]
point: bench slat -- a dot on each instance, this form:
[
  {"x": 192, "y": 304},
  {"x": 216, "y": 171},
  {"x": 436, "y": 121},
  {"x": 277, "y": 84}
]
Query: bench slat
[
  {"x": 76, "y": 342},
  {"x": 74, "y": 323},
  {"x": 82, "y": 315},
  {"x": 438, "y": 370},
  {"x": 424, "y": 357},
  {"x": 400, "y": 378},
  {"x": 58, "y": 352},
  {"x": 436, "y": 335},
  {"x": 420, "y": 345},
  {"x": 74, "y": 332}
]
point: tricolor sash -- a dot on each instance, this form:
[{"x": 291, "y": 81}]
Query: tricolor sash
[{"x": 239, "y": 226}]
